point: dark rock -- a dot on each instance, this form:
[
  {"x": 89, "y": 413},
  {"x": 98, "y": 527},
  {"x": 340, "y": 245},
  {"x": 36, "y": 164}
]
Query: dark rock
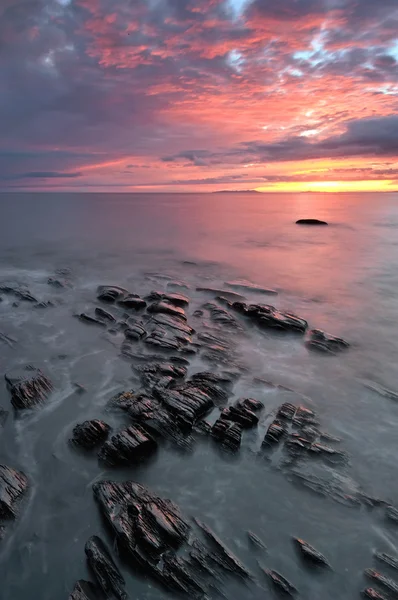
[
  {"x": 392, "y": 514},
  {"x": 371, "y": 593},
  {"x": 20, "y": 293},
  {"x": 178, "y": 575},
  {"x": 160, "y": 340},
  {"x": 105, "y": 315},
  {"x": 58, "y": 283},
  {"x": 282, "y": 584},
  {"x": 327, "y": 452},
  {"x": 127, "y": 447},
  {"x": 269, "y": 317},
  {"x": 310, "y": 553},
  {"x": 391, "y": 561},
  {"x": 176, "y": 299},
  {"x": 198, "y": 313},
  {"x": 43, "y": 304},
  {"x": 177, "y": 285},
  {"x": 323, "y": 342},
  {"x": 84, "y": 590},
  {"x": 85, "y": 318},
  {"x": 250, "y": 287},
  {"x": 232, "y": 296},
  {"x": 275, "y": 433},
  {"x": 382, "y": 580},
  {"x": 28, "y": 387},
  {"x": 135, "y": 332},
  {"x": 80, "y": 389},
  {"x": 252, "y": 404},
  {"x": 222, "y": 316},
  {"x": 214, "y": 385},
  {"x": 106, "y": 572},
  {"x": 168, "y": 309},
  {"x": 133, "y": 302},
  {"x": 304, "y": 416},
  {"x": 245, "y": 417},
  {"x": 7, "y": 339},
  {"x": 153, "y": 373},
  {"x": 109, "y": 293},
  {"x": 228, "y": 560},
  {"x": 173, "y": 322},
  {"x": 286, "y": 411},
  {"x": 229, "y": 434},
  {"x": 310, "y": 222},
  {"x": 256, "y": 541},
  {"x": 13, "y": 484},
  {"x": 90, "y": 434}
]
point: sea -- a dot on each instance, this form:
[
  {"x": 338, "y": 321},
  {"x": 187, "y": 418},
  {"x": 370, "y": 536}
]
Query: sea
[{"x": 342, "y": 279}]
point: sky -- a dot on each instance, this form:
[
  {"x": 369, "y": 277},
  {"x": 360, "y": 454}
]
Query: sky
[{"x": 199, "y": 95}]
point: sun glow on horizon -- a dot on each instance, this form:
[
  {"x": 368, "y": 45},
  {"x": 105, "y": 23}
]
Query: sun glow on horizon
[{"x": 332, "y": 186}]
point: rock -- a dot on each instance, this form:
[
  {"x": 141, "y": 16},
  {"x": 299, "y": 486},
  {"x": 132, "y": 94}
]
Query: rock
[
  {"x": 228, "y": 560},
  {"x": 13, "y": 485},
  {"x": 222, "y": 316},
  {"x": 239, "y": 414},
  {"x": 160, "y": 340},
  {"x": 133, "y": 302},
  {"x": 173, "y": 322},
  {"x": 90, "y": 434},
  {"x": 84, "y": 590},
  {"x": 179, "y": 576},
  {"x": 382, "y": 391},
  {"x": 252, "y": 404},
  {"x": 85, "y": 318},
  {"x": 391, "y": 561},
  {"x": 304, "y": 416},
  {"x": 323, "y": 342},
  {"x": 216, "y": 386},
  {"x": 110, "y": 293},
  {"x": 20, "y": 293},
  {"x": 255, "y": 541},
  {"x": 153, "y": 373},
  {"x": 168, "y": 309},
  {"x": 134, "y": 331},
  {"x": 286, "y": 411},
  {"x": 175, "y": 299},
  {"x": 58, "y": 283},
  {"x": 43, "y": 304},
  {"x": 28, "y": 387},
  {"x": 177, "y": 285},
  {"x": 310, "y": 553},
  {"x": 371, "y": 593},
  {"x": 128, "y": 446},
  {"x": 105, "y": 315},
  {"x": 250, "y": 287},
  {"x": 383, "y": 581},
  {"x": 106, "y": 572},
  {"x": 269, "y": 317},
  {"x": 187, "y": 402},
  {"x": 229, "y": 434},
  {"x": 327, "y": 452},
  {"x": 232, "y": 296},
  {"x": 280, "y": 582},
  {"x": 7, "y": 339},
  {"x": 3, "y": 417},
  {"x": 275, "y": 432},
  {"x": 310, "y": 222},
  {"x": 392, "y": 514}
]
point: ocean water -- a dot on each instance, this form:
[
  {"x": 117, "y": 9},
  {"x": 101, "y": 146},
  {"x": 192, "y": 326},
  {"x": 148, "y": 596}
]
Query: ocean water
[{"x": 342, "y": 278}]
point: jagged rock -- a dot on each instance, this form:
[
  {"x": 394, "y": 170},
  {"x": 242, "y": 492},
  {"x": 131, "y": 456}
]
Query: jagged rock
[
  {"x": 187, "y": 402},
  {"x": 371, "y": 593},
  {"x": 256, "y": 541},
  {"x": 28, "y": 387},
  {"x": 222, "y": 316},
  {"x": 214, "y": 385},
  {"x": 20, "y": 293},
  {"x": 382, "y": 580},
  {"x": 105, "y": 315},
  {"x": 286, "y": 411},
  {"x": 176, "y": 299},
  {"x": 110, "y": 293},
  {"x": 134, "y": 331},
  {"x": 310, "y": 222},
  {"x": 168, "y": 309},
  {"x": 154, "y": 373},
  {"x": 58, "y": 283},
  {"x": 304, "y": 416},
  {"x": 13, "y": 484},
  {"x": 323, "y": 342},
  {"x": 172, "y": 322},
  {"x": 392, "y": 514},
  {"x": 252, "y": 404},
  {"x": 227, "y": 559},
  {"x": 250, "y": 287},
  {"x": 391, "y": 561},
  {"x": 132, "y": 301},
  {"x": 160, "y": 340},
  {"x": 43, "y": 304},
  {"x": 127, "y": 447},
  {"x": 245, "y": 417},
  {"x": 229, "y": 434},
  {"x": 269, "y": 317},
  {"x": 90, "y": 434},
  {"x": 327, "y": 452},
  {"x": 310, "y": 553},
  {"x": 275, "y": 432},
  {"x": 84, "y": 590},
  {"x": 106, "y": 572},
  {"x": 280, "y": 582},
  {"x": 85, "y": 318}
]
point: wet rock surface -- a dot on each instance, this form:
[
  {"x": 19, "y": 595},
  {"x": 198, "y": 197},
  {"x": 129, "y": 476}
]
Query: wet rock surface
[
  {"x": 108, "y": 293},
  {"x": 280, "y": 582},
  {"x": 106, "y": 572},
  {"x": 310, "y": 553},
  {"x": 268, "y": 317},
  {"x": 90, "y": 434},
  {"x": 323, "y": 342},
  {"x": 28, "y": 387},
  {"x": 385, "y": 582},
  {"x": 13, "y": 485},
  {"x": 128, "y": 446},
  {"x": 372, "y": 593},
  {"x": 84, "y": 590}
]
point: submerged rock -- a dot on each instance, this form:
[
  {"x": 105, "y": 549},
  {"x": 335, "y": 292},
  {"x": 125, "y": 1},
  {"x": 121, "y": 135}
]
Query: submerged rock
[
  {"x": 90, "y": 434},
  {"x": 84, "y": 590},
  {"x": 323, "y": 342},
  {"x": 250, "y": 287},
  {"x": 392, "y": 514},
  {"x": 382, "y": 580},
  {"x": 269, "y": 317},
  {"x": 222, "y": 316},
  {"x": 105, "y": 315},
  {"x": 310, "y": 553},
  {"x": 228, "y": 559},
  {"x": 371, "y": 593},
  {"x": 275, "y": 432},
  {"x": 13, "y": 484},
  {"x": 58, "y": 283},
  {"x": 18, "y": 292},
  {"x": 128, "y": 446},
  {"x": 28, "y": 387},
  {"x": 85, "y": 318},
  {"x": 106, "y": 572},
  {"x": 132, "y": 301},
  {"x": 310, "y": 222},
  {"x": 109, "y": 293},
  {"x": 256, "y": 541},
  {"x": 168, "y": 309},
  {"x": 280, "y": 582},
  {"x": 391, "y": 561},
  {"x": 176, "y": 299},
  {"x": 3, "y": 417}
]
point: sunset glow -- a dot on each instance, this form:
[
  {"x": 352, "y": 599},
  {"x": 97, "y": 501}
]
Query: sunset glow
[{"x": 204, "y": 95}]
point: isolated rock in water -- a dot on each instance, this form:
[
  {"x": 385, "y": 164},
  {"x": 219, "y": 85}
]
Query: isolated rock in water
[
  {"x": 371, "y": 593},
  {"x": 232, "y": 296},
  {"x": 168, "y": 309},
  {"x": 392, "y": 514},
  {"x": 323, "y": 342},
  {"x": 228, "y": 433},
  {"x": 84, "y": 590},
  {"x": 20, "y": 293},
  {"x": 269, "y": 317},
  {"x": 275, "y": 432},
  {"x": 229, "y": 560},
  {"x": 310, "y": 553},
  {"x": 28, "y": 386},
  {"x": 105, "y": 315},
  {"x": 13, "y": 484},
  {"x": 133, "y": 302},
  {"x": 85, "y": 318},
  {"x": 391, "y": 561},
  {"x": 256, "y": 541},
  {"x": 90, "y": 434},
  {"x": 176, "y": 299},
  {"x": 222, "y": 316},
  {"x": 239, "y": 414},
  {"x": 252, "y": 404},
  {"x": 286, "y": 411},
  {"x": 128, "y": 446},
  {"x": 106, "y": 572},
  {"x": 250, "y": 287},
  {"x": 109, "y": 293},
  {"x": 310, "y": 222},
  {"x": 58, "y": 283},
  {"x": 280, "y": 582},
  {"x": 382, "y": 580}
]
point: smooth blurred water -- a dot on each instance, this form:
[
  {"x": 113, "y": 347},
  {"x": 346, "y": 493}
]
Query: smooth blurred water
[{"x": 342, "y": 278}]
